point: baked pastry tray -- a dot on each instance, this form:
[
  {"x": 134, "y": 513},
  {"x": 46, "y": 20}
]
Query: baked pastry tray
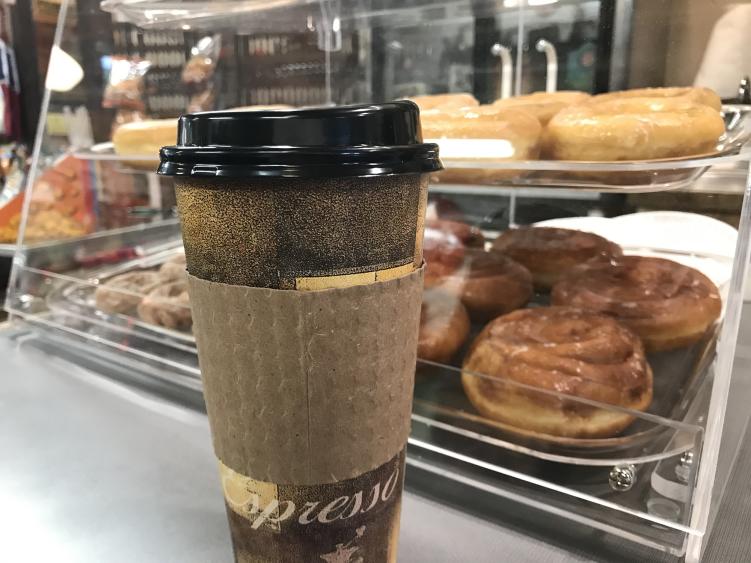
[
  {"x": 77, "y": 298},
  {"x": 629, "y": 176},
  {"x": 679, "y": 377},
  {"x": 440, "y": 403}
]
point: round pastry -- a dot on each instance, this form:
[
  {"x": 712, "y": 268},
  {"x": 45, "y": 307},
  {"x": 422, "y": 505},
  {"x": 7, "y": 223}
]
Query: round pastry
[
  {"x": 174, "y": 268},
  {"x": 146, "y": 138},
  {"x": 703, "y": 96},
  {"x": 508, "y": 134},
  {"x": 468, "y": 235},
  {"x": 543, "y": 105},
  {"x": 489, "y": 284},
  {"x": 444, "y": 326},
  {"x": 560, "y": 350},
  {"x": 484, "y": 135},
  {"x": 443, "y": 253},
  {"x": 444, "y": 101},
  {"x": 549, "y": 253},
  {"x": 633, "y": 129},
  {"x": 167, "y": 305},
  {"x": 122, "y": 293},
  {"x": 667, "y": 304}
]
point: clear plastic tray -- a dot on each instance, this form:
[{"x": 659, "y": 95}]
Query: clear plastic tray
[
  {"x": 447, "y": 434},
  {"x": 626, "y": 176},
  {"x": 75, "y": 296},
  {"x": 129, "y": 164},
  {"x": 639, "y": 176},
  {"x": 678, "y": 377}
]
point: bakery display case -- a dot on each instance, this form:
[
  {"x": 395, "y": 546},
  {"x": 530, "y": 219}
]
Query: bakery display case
[{"x": 586, "y": 243}]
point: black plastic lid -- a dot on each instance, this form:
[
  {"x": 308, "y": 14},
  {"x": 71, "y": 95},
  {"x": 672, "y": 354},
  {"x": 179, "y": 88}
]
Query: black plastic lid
[{"x": 362, "y": 140}]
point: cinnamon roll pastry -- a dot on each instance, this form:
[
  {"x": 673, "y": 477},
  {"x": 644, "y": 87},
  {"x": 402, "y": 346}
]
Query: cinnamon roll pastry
[
  {"x": 489, "y": 284},
  {"x": 561, "y": 350},
  {"x": 443, "y": 253},
  {"x": 667, "y": 304},
  {"x": 550, "y": 252},
  {"x": 444, "y": 326}
]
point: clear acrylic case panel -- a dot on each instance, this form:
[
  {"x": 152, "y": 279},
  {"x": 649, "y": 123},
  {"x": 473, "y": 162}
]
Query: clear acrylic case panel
[{"x": 92, "y": 215}]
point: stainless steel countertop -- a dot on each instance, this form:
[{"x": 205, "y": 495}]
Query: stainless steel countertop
[{"x": 96, "y": 470}]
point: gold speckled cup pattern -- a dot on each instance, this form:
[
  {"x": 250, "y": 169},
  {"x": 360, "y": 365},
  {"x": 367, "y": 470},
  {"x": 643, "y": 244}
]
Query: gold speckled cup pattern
[{"x": 291, "y": 233}]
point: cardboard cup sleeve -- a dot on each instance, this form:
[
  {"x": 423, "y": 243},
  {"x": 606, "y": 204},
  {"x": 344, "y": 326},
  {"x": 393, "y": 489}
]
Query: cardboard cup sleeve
[{"x": 307, "y": 387}]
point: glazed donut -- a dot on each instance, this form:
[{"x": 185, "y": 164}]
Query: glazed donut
[
  {"x": 703, "y": 96},
  {"x": 122, "y": 293},
  {"x": 485, "y": 135},
  {"x": 167, "y": 305},
  {"x": 543, "y": 105},
  {"x": 444, "y": 326},
  {"x": 468, "y": 235},
  {"x": 549, "y": 252},
  {"x": 489, "y": 284},
  {"x": 443, "y": 253},
  {"x": 633, "y": 129},
  {"x": 667, "y": 304},
  {"x": 562, "y": 350},
  {"x": 174, "y": 268},
  {"x": 444, "y": 101},
  {"x": 515, "y": 134}
]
